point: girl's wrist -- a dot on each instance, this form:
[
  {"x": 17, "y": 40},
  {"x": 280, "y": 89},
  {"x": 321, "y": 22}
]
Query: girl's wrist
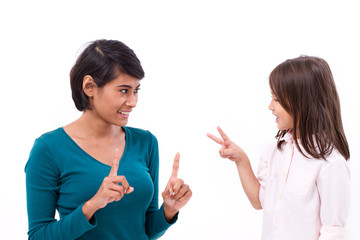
[
  {"x": 241, "y": 160},
  {"x": 238, "y": 162}
]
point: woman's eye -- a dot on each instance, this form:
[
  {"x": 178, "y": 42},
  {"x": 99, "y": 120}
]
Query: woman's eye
[
  {"x": 136, "y": 90},
  {"x": 124, "y": 91}
]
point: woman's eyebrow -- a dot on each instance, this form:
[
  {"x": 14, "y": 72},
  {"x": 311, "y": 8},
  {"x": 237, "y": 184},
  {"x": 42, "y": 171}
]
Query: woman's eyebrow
[{"x": 127, "y": 86}]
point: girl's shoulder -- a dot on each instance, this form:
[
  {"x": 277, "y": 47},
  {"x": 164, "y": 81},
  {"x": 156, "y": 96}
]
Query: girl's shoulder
[
  {"x": 334, "y": 163},
  {"x": 335, "y": 157}
]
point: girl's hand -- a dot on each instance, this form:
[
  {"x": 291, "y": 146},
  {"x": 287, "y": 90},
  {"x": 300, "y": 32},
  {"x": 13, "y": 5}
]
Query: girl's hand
[
  {"x": 228, "y": 148},
  {"x": 109, "y": 191},
  {"x": 176, "y": 194}
]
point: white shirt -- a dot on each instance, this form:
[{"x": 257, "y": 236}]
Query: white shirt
[{"x": 303, "y": 198}]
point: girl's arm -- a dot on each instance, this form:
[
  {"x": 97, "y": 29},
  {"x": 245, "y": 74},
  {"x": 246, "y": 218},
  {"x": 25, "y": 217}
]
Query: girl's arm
[
  {"x": 334, "y": 190},
  {"x": 248, "y": 179}
]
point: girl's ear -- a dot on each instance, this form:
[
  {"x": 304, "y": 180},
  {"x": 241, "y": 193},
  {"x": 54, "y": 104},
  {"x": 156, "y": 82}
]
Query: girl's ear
[{"x": 88, "y": 85}]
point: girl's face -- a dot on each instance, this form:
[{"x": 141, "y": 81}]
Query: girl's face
[
  {"x": 283, "y": 119},
  {"x": 114, "y": 102}
]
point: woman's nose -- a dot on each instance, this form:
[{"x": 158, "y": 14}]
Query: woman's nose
[{"x": 131, "y": 101}]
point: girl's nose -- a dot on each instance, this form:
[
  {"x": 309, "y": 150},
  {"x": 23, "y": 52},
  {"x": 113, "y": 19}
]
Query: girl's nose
[{"x": 271, "y": 106}]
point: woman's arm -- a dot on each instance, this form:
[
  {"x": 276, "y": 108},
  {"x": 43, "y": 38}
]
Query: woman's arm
[
  {"x": 113, "y": 188},
  {"x": 42, "y": 187},
  {"x": 156, "y": 223}
]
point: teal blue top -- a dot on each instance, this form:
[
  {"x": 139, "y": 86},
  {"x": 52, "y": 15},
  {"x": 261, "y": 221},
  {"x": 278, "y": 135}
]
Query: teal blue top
[{"x": 61, "y": 176}]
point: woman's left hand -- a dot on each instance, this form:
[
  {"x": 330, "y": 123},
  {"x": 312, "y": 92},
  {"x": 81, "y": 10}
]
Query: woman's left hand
[{"x": 176, "y": 194}]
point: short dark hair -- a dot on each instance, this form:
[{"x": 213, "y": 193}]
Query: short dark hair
[
  {"x": 305, "y": 88},
  {"x": 103, "y": 60}
]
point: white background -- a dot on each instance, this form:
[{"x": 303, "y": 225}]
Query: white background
[{"x": 207, "y": 64}]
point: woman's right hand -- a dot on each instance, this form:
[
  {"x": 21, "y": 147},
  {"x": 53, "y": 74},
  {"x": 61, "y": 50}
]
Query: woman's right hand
[
  {"x": 109, "y": 191},
  {"x": 228, "y": 148}
]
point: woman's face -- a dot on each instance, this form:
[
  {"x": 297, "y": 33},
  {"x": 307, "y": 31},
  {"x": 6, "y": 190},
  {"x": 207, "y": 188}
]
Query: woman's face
[
  {"x": 283, "y": 119},
  {"x": 114, "y": 102}
]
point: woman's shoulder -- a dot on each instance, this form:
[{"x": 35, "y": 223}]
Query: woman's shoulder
[
  {"x": 52, "y": 137},
  {"x": 41, "y": 153},
  {"x": 51, "y": 134},
  {"x": 139, "y": 133}
]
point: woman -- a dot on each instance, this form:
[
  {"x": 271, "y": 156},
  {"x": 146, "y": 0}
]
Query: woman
[{"x": 101, "y": 176}]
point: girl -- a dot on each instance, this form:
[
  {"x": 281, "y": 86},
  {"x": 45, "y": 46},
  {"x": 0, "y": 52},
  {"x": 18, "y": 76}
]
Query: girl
[
  {"x": 101, "y": 176},
  {"x": 303, "y": 181}
]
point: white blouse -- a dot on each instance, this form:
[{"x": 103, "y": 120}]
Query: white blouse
[{"x": 303, "y": 198}]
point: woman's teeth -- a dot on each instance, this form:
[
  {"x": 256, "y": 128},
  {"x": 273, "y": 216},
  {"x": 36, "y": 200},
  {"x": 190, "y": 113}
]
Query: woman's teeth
[{"x": 127, "y": 113}]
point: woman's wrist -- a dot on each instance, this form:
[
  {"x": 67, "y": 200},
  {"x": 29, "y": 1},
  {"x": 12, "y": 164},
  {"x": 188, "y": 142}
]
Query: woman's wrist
[
  {"x": 169, "y": 212},
  {"x": 88, "y": 209}
]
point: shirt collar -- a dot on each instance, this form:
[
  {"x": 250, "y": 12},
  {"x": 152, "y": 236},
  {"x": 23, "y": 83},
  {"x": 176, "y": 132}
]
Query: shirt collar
[{"x": 288, "y": 137}]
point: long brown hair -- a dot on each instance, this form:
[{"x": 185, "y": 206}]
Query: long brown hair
[{"x": 305, "y": 88}]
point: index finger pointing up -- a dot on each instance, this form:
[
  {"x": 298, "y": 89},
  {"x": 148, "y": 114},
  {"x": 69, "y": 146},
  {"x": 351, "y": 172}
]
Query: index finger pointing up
[
  {"x": 176, "y": 164},
  {"x": 115, "y": 163}
]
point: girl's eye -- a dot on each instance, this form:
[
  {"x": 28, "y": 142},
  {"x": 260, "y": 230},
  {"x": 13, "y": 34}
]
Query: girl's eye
[
  {"x": 274, "y": 98},
  {"x": 123, "y": 91},
  {"x": 136, "y": 90}
]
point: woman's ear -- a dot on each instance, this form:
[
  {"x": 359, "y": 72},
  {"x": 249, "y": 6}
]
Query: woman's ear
[{"x": 88, "y": 85}]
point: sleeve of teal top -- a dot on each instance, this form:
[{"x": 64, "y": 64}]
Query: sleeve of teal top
[
  {"x": 42, "y": 186},
  {"x": 156, "y": 225}
]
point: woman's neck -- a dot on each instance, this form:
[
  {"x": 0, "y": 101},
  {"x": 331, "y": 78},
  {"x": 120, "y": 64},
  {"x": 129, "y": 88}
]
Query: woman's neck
[{"x": 90, "y": 126}]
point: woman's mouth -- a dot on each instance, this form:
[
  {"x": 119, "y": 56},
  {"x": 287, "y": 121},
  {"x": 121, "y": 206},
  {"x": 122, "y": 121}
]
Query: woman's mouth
[{"x": 124, "y": 114}]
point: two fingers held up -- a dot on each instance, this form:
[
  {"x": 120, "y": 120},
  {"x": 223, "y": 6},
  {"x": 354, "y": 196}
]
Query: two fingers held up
[{"x": 228, "y": 148}]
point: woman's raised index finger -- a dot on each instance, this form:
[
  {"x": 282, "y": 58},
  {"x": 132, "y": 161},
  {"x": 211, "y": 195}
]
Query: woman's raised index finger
[
  {"x": 176, "y": 165},
  {"x": 115, "y": 163}
]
